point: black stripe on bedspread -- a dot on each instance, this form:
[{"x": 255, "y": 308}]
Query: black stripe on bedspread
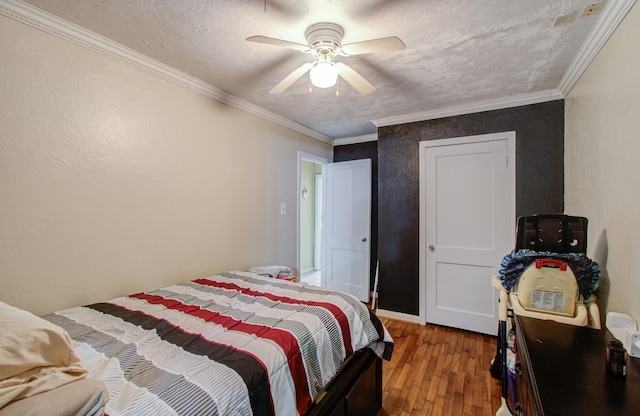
[
  {"x": 248, "y": 367},
  {"x": 170, "y": 388},
  {"x": 284, "y": 339},
  {"x": 313, "y": 353},
  {"x": 388, "y": 346}
]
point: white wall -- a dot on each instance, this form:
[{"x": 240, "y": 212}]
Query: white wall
[
  {"x": 114, "y": 181},
  {"x": 602, "y": 151}
]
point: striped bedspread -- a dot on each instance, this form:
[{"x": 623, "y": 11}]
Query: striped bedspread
[{"x": 231, "y": 344}]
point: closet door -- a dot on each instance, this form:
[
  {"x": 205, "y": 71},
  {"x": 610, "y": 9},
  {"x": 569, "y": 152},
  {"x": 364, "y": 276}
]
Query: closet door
[{"x": 468, "y": 216}]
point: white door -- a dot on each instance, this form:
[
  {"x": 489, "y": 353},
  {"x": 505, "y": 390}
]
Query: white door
[
  {"x": 346, "y": 227},
  {"x": 470, "y": 216}
]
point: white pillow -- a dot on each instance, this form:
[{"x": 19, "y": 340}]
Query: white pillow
[{"x": 35, "y": 355}]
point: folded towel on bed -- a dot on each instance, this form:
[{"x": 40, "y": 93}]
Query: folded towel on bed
[{"x": 271, "y": 271}]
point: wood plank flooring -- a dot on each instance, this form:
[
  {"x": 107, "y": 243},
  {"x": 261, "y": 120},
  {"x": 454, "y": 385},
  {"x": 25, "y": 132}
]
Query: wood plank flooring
[{"x": 438, "y": 371}]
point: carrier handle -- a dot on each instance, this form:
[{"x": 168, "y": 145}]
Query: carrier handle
[{"x": 540, "y": 263}]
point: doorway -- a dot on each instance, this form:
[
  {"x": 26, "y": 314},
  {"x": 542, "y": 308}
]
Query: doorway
[
  {"x": 310, "y": 197},
  {"x": 467, "y": 213}
]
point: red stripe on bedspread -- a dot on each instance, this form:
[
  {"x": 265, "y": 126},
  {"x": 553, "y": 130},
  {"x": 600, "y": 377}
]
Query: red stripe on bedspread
[
  {"x": 337, "y": 313},
  {"x": 284, "y": 339}
]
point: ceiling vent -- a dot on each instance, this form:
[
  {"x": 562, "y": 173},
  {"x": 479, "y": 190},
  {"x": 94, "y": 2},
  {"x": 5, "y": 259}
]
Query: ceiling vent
[
  {"x": 592, "y": 8},
  {"x": 562, "y": 19}
]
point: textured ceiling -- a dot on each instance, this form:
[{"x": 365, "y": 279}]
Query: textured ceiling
[{"x": 458, "y": 51}]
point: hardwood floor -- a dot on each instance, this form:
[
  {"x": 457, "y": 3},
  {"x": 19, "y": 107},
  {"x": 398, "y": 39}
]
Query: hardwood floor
[{"x": 438, "y": 371}]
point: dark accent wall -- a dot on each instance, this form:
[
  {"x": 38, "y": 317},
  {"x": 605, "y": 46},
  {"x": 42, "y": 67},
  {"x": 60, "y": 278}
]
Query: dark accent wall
[
  {"x": 366, "y": 150},
  {"x": 539, "y": 184}
]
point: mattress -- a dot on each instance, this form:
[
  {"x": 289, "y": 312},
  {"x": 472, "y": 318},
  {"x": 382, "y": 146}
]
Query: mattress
[{"x": 235, "y": 343}]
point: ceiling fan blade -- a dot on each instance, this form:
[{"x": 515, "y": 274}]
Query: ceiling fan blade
[
  {"x": 356, "y": 80},
  {"x": 279, "y": 42},
  {"x": 392, "y": 43},
  {"x": 275, "y": 6},
  {"x": 375, "y": 7},
  {"x": 291, "y": 78}
]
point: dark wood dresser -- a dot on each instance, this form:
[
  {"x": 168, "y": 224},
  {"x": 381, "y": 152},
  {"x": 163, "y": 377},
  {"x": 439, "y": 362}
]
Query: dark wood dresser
[{"x": 562, "y": 372}]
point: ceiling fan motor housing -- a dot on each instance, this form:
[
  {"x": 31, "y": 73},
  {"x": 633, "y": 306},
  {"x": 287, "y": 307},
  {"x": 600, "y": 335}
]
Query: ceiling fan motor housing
[{"x": 324, "y": 38}]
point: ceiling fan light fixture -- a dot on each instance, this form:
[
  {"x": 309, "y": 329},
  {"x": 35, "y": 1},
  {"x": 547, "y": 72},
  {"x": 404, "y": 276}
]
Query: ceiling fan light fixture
[
  {"x": 324, "y": 42},
  {"x": 324, "y": 74}
]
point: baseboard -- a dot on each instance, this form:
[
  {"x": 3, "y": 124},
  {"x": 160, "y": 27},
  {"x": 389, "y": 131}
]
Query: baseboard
[{"x": 399, "y": 316}]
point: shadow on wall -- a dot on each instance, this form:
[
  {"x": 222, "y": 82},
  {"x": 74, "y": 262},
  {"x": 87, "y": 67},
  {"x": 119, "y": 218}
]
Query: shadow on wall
[{"x": 600, "y": 256}]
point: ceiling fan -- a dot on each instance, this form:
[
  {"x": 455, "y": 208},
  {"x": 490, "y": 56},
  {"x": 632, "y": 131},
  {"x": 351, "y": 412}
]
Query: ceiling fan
[{"x": 324, "y": 42}]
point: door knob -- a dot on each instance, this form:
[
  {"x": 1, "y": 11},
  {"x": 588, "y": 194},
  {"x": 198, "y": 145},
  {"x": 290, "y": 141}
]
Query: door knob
[
  {"x": 364, "y": 239},
  {"x": 432, "y": 248}
]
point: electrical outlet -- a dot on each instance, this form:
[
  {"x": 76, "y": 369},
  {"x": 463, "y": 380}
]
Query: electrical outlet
[
  {"x": 592, "y": 8},
  {"x": 283, "y": 208}
]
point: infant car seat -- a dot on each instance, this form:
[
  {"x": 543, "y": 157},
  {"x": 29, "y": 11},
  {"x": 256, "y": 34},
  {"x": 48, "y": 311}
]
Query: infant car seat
[{"x": 549, "y": 287}]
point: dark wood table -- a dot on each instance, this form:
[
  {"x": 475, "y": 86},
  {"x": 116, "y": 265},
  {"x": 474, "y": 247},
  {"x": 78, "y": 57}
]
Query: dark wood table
[{"x": 566, "y": 371}]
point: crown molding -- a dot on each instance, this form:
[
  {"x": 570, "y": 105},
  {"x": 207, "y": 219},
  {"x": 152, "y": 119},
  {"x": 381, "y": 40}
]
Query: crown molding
[
  {"x": 73, "y": 33},
  {"x": 612, "y": 14},
  {"x": 356, "y": 139},
  {"x": 476, "y": 107}
]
